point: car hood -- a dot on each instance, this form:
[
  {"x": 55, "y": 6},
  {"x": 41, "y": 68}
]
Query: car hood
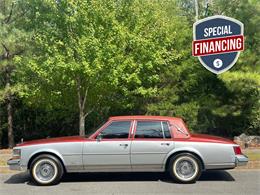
[
  {"x": 54, "y": 140},
  {"x": 210, "y": 138}
]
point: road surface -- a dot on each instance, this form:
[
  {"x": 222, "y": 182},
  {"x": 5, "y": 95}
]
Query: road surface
[{"x": 244, "y": 182}]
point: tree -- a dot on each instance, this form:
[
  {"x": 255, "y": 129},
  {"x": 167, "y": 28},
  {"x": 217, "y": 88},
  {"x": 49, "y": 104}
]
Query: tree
[
  {"x": 12, "y": 40},
  {"x": 97, "y": 53},
  {"x": 227, "y": 104}
]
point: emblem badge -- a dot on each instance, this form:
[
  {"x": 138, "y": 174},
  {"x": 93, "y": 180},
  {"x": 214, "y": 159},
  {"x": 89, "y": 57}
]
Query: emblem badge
[{"x": 217, "y": 42}]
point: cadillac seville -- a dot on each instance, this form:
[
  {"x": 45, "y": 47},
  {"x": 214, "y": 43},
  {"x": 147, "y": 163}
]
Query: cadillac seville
[{"x": 128, "y": 144}]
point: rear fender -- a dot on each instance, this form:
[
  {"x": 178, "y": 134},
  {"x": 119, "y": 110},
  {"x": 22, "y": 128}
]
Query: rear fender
[{"x": 182, "y": 150}]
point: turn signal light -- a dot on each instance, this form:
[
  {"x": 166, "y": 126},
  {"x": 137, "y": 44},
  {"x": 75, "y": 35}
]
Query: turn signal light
[{"x": 237, "y": 150}]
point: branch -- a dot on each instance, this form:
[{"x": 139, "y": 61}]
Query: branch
[
  {"x": 8, "y": 55},
  {"x": 17, "y": 53},
  {"x": 6, "y": 49},
  {"x": 10, "y": 14},
  {"x": 85, "y": 97},
  {"x": 91, "y": 110},
  {"x": 79, "y": 95}
]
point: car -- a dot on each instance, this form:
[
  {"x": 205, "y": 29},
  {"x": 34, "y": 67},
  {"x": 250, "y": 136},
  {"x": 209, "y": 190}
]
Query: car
[{"x": 129, "y": 144}]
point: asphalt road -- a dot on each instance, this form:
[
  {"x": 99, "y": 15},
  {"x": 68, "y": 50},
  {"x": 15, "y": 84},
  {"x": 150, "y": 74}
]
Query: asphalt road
[{"x": 244, "y": 182}]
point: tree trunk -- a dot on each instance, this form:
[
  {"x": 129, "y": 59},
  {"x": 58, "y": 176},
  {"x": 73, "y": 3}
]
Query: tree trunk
[
  {"x": 9, "y": 111},
  {"x": 81, "y": 103},
  {"x": 0, "y": 129},
  {"x": 81, "y": 124},
  {"x": 10, "y": 122}
]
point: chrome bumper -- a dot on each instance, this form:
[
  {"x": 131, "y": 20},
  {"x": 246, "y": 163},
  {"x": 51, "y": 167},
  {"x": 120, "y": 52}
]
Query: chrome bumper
[
  {"x": 241, "y": 160},
  {"x": 14, "y": 164}
]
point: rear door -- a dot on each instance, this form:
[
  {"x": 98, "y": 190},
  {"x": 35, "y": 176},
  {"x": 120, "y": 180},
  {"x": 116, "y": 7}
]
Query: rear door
[{"x": 151, "y": 143}]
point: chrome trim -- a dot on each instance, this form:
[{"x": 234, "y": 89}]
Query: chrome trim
[
  {"x": 241, "y": 160},
  {"x": 162, "y": 129},
  {"x": 105, "y": 168},
  {"x": 14, "y": 164},
  {"x": 147, "y": 167},
  {"x": 133, "y": 127},
  {"x": 86, "y": 154},
  {"x": 152, "y": 152},
  {"x": 220, "y": 166}
]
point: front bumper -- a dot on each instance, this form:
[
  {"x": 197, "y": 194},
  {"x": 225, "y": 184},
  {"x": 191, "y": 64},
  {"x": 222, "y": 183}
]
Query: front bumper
[
  {"x": 14, "y": 164},
  {"x": 241, "y": 160}
]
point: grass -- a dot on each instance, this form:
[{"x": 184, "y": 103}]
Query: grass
[
  {"x": 2, "y": 163},
  {"x": 253, "y": 155},
  {"x": 3, "y": 160}
]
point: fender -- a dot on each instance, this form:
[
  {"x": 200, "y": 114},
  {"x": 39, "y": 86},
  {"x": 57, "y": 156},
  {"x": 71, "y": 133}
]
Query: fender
[
  {"x": 45, "y": 150},
  {"x": 181, "y": 149}
]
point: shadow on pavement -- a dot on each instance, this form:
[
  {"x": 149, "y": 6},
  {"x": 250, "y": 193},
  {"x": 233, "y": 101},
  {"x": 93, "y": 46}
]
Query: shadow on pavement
[
  {"x": 18, "y": 178},
  {"x": 216, "y": 175},
  {"x": 113, "y": 177}
]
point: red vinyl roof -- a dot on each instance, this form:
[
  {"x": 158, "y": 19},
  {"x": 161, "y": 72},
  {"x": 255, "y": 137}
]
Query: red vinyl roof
[{"x": 144, "y": 117}]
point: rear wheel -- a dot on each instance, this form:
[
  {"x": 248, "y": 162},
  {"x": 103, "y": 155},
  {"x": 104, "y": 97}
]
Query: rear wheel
[
  {"x": 185, "y": 168},
  {"x": 46, "y": 170}
]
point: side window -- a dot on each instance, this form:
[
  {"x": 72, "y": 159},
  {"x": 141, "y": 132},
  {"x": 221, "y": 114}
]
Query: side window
[
  {"x": 152, "y": 129},
  {"x": 117, "y": 129}
]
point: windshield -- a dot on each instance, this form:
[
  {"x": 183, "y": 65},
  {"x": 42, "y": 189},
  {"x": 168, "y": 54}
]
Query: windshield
[{"x": 94, "y": 129}]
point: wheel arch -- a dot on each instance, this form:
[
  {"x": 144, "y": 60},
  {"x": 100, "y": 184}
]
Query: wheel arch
[
  {"x": 174, "y": 153},
  {"x": 36, "y": 154}
]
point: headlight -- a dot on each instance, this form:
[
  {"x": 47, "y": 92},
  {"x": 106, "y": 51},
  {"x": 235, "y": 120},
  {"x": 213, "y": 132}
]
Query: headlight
[{"x": 16, "y": 153}]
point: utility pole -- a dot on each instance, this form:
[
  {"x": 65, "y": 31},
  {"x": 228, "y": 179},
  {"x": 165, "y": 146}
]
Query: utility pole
[{"x": 196, "y": 10}]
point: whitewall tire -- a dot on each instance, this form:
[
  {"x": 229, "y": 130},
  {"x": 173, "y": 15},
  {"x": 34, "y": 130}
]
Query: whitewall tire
[
  {"x": 185, "y": 168},
  {"x": 46, "y": 169}
]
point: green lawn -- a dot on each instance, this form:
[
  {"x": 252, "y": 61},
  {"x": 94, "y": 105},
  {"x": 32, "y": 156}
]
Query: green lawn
[{"x": 253, "y": 155}]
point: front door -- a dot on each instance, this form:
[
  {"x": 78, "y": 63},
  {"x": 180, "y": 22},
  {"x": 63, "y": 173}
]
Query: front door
[
  {"x": 110, "y": 151},
  {"x": 152, "y": 142}
]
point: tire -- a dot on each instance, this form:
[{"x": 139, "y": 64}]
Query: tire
[
  {"x": 46, "y": 170},
  {"x": 185, "y": 168}
]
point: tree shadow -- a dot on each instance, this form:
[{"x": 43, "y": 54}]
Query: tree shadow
[{"x": 21, "y": 178}]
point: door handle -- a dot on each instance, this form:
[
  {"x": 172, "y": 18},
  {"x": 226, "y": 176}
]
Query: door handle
[
  {"x": 165, "y": 144},
  {"x": 125, "y": 145}
]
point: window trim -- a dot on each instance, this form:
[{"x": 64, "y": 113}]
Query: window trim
[
  {"x": 154, "y": 139},
  {"x": 162, "y": 130}
]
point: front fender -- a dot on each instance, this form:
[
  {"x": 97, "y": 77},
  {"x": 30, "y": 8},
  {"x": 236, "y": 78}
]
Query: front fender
[{"x": 43, "y": 150}]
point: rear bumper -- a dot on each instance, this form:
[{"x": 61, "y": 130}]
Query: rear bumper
[
  {"x": 241, "y": 160},
  {"x": 14, "y": 164}
]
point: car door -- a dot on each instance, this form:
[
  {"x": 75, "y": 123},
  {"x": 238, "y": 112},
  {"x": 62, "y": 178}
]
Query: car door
[
  {"x": 110, "y": 149},
  {"x": 150, "y": 145}
]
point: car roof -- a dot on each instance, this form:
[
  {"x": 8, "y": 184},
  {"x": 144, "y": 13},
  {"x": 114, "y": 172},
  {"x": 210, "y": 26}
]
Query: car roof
[{"x": 145, "y": 117}]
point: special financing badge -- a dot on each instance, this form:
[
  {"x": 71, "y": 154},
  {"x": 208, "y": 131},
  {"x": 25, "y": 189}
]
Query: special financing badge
[{"x": 217, "y": 42}]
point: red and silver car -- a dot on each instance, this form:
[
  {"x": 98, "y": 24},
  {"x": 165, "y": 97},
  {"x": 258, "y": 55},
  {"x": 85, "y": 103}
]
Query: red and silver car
[{"x": 129, "y": 144}]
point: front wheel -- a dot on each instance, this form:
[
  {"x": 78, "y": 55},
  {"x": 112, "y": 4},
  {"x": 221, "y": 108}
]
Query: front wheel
[
  {"x": 46, "y": 170},
  {"x": 185, "y": 168}
]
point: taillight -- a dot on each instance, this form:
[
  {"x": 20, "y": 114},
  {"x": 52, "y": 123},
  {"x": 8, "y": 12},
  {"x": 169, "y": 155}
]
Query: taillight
[{"x": 237, "y": 150}]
